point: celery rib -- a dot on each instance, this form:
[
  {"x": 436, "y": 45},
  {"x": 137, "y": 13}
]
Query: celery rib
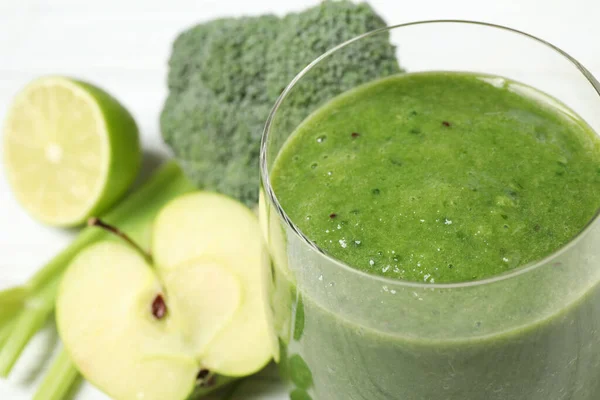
[
  {"x": 28, "y": 322},
  {"x": 5, "y": 330},
  {"x": 59, "y": 380}
]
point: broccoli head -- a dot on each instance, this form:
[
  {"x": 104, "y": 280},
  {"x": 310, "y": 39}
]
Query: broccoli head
[{"x": 225, "y": 75}]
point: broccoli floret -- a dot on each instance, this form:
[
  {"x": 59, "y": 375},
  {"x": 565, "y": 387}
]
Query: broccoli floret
[
  {"x": 224, "y": 55},
  {"x": 309, "y": 34},
  {"x": 225, "y": 75},
  {"x": 218, "y": 103}
]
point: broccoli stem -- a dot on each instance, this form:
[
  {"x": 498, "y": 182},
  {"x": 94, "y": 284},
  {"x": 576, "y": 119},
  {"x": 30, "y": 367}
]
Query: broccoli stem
[
  {"x": 134, "y": 215},
  {"x": 59, "y": 380}
]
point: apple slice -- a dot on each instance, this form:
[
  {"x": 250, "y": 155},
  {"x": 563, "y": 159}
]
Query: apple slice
[
  {"x": 112, "y": 319},
  {"x": 139, "y": 333},
  {"x": 207, "y": 294},
  {"x": 207, "y": 226}
]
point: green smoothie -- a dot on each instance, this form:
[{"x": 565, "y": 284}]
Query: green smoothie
[
  {"x": 442, "y": 178},
  {"x": 439, "y": 177}
]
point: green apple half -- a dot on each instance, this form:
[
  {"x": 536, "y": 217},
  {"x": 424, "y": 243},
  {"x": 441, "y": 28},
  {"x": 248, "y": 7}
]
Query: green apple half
[{"x": 142, "y": 331}]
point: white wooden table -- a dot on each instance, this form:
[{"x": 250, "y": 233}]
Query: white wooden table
[{"x": 123, "y": 46}]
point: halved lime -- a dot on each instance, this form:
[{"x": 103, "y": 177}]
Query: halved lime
[{"x": 70, "y": 150}]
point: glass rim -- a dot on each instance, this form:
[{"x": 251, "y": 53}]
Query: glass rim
[{"x": 272, "y": 198}]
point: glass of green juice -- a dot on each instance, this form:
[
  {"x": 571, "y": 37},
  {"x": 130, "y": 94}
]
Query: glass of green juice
[{"x": 434, "y": 234}]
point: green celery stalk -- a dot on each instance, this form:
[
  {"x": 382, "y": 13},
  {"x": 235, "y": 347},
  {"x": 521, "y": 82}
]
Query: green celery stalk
[
  {"x": 59, "y": 380},
  {"x": 134, "y": 215},
  {"x": 5, "y": 330},
  {"x": 11, "y": 302},
  {"x": 27, "y": 323}
]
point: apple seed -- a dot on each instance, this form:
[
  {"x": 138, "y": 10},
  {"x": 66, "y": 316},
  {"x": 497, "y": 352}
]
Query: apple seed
[{"x": 159, "y": 307}]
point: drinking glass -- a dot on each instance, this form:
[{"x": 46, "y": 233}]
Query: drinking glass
[{"x": 530, "y": 334}]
